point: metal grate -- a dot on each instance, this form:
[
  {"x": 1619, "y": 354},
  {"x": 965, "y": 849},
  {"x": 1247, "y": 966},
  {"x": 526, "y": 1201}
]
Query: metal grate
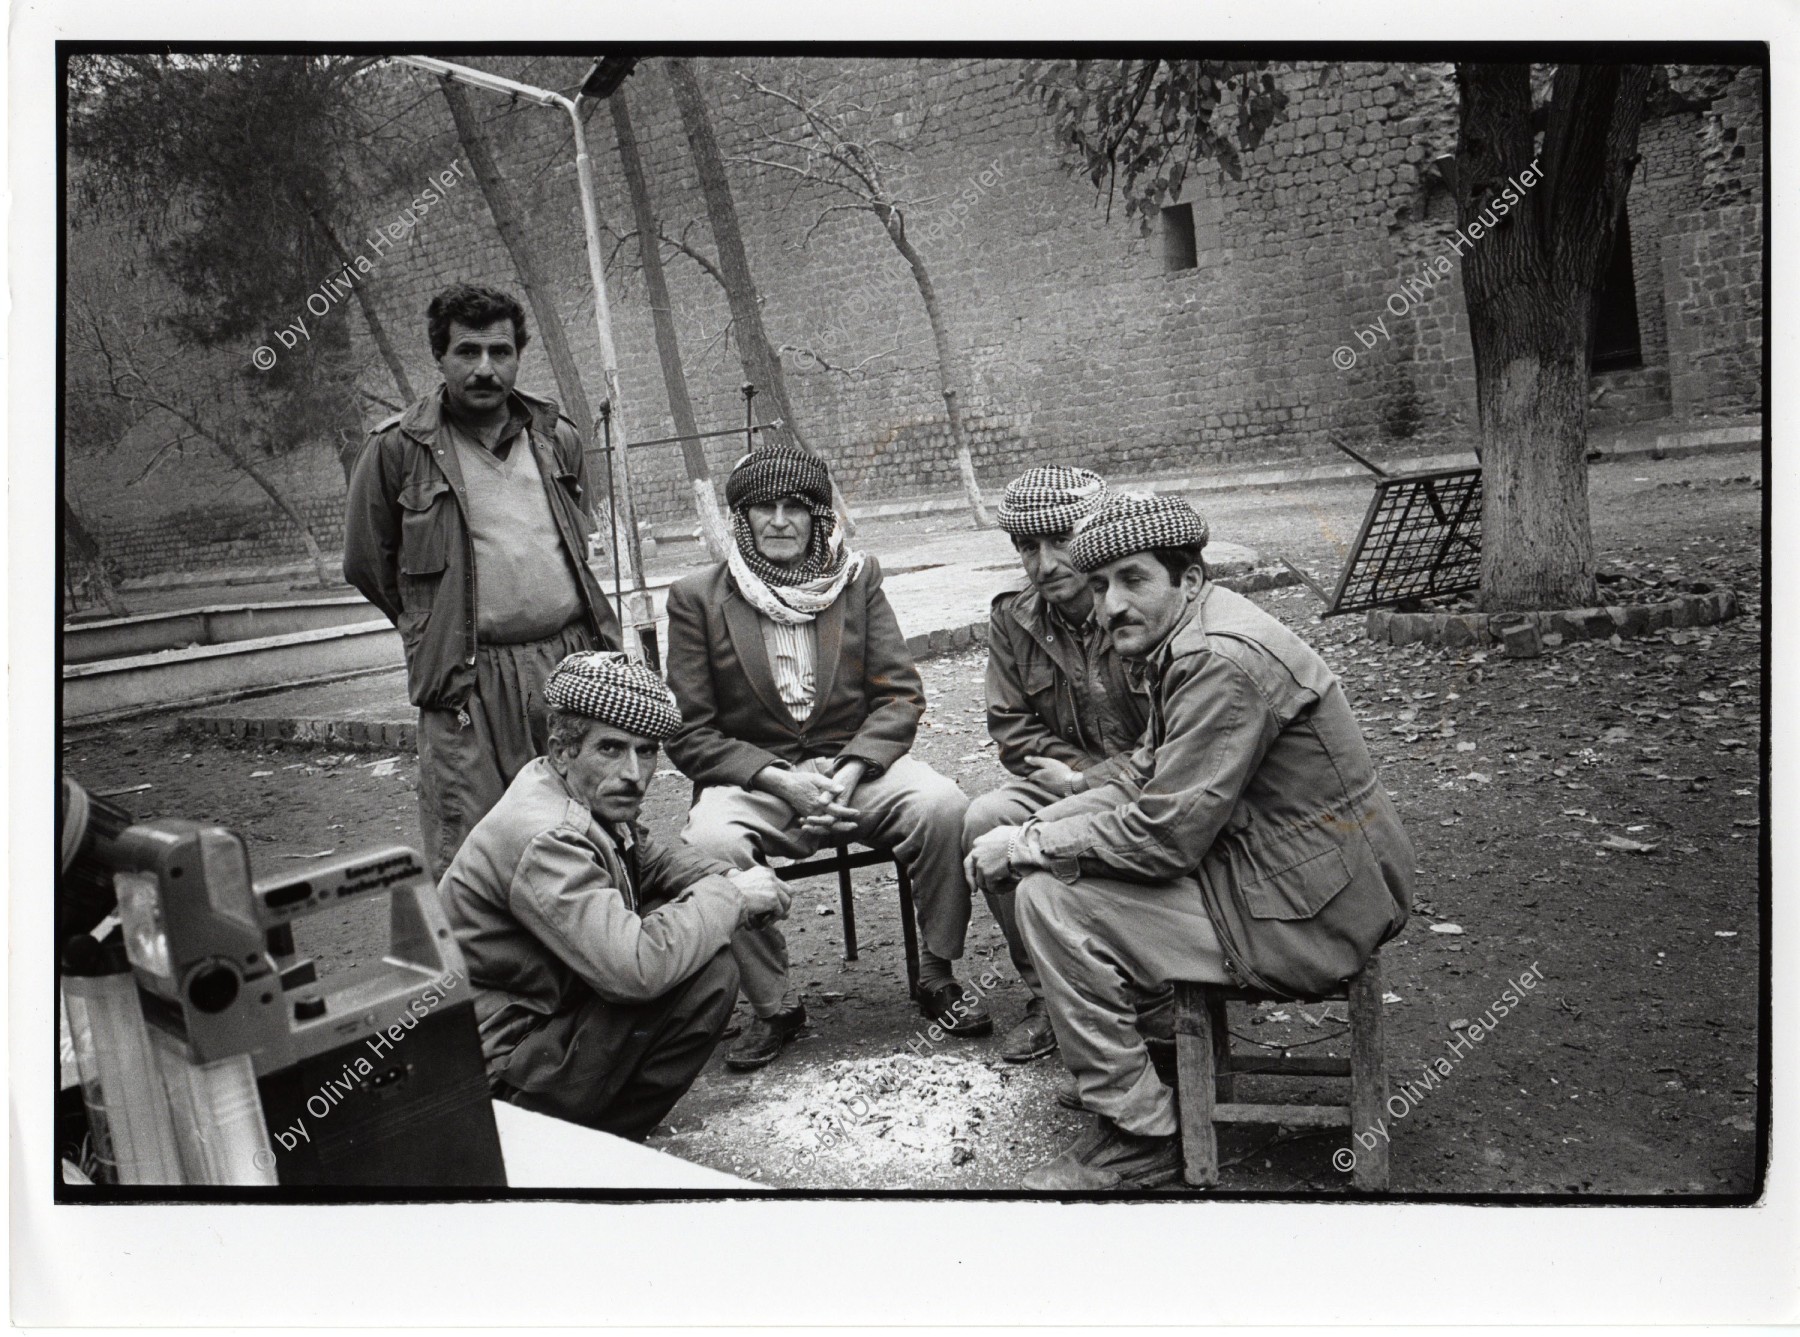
[{"x": 1421, "y": 537}]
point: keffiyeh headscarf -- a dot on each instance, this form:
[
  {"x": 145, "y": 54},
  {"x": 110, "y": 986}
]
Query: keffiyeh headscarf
[
  {"x": 788, "y": 594},
  {"x": 1050, "y": 499},
  {"x": 1129, "y": 522},
  {"x": 607, "y": 686}
]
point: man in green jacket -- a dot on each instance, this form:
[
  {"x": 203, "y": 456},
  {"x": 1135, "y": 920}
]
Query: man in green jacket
[
  {"x": 1062, "y": 707},
  {"x": 467, "y": 525},
  {"x": 1247, "y": 842},
  {"x": 601, "y": 956}
]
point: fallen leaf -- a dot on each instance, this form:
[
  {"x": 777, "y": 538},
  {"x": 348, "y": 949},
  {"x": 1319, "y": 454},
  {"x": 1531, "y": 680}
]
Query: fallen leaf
[
  {"x": 1446, "y": 928},
  {"x": 1390, "y": 998},
  {"x": 257, "y": 775},
  {"x": 1628, "y": 846}
]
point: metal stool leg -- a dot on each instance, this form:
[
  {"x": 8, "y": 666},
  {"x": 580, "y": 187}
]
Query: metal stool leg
[
  {"x": 846, "y": 902},
  {"x": 1195, "y": 1075},
  {"x": 1368, "y": 1075},
  {"x": 909, "y": 928}
]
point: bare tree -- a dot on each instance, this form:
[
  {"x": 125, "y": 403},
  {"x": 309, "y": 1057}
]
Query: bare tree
[
  {"x": 713, "y": 532},
  {"x": 762, "y": 367},
  {"x": 109, "y": 357},
  {"x": 832, "y": 147}
]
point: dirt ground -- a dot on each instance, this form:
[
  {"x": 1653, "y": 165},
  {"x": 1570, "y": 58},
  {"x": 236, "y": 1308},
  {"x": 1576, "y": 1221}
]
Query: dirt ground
[{"x": 1592, "y": 815}]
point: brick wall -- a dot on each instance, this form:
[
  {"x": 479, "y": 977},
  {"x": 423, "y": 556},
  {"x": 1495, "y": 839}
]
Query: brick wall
[{"x": 1079, "y": 344}]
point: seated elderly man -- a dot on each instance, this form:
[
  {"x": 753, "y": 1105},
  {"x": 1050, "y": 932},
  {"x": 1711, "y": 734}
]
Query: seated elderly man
[
  {"x": 1247, "y": 842},
  {"x": 799, "y": 705},
  {"x": 1062, "y": 707},
  {"x": 600, "y": 955}
]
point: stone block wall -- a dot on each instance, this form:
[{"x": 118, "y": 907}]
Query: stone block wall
[{"x": 1077, "y": 342}]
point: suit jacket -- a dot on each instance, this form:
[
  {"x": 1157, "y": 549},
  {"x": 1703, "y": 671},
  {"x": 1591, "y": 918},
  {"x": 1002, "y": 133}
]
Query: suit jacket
[{"x": 868, "y": 701}]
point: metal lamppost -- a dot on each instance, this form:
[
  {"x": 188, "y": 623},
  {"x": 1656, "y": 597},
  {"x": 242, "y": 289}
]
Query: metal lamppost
[{"x": 606, "y": 75}]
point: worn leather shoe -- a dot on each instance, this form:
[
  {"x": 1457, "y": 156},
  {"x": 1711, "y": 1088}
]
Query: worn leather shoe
[
  {"x": 764, "y": 1038},
  {"x": 1162, "y": 1058},
  {"x": 1031, "y": 1038},
  {"x": 1109, "y": 1159},
  {"x": 958, "y": 1010}
]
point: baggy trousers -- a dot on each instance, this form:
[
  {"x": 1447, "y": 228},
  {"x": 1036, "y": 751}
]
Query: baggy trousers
[
  {"x": 909, "y": 808},
  {"x": 1013, "y": 804},
  {"x": 464, "y": 768},
  {"x": 620, "y": 1067},
  {"x": 1098, "y": 943}
]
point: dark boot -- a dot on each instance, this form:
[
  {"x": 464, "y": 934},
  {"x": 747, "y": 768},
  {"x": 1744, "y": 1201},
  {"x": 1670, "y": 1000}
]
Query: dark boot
[
  {"x": 1109, "y": 1159},
  {"x": 764, "y": 1038},
  {"x": 1032, "y": 1038}
]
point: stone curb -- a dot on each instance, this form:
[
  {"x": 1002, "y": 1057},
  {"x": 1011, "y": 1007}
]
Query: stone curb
[{"x": 1525, "y": 635}]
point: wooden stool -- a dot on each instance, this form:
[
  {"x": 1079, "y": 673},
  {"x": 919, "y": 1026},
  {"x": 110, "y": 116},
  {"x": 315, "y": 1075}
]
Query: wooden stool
[
  {"x": 840, "y": 861},
  {"x": 1208, "y": 1070}
]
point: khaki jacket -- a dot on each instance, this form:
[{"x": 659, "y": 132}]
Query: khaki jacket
[
  {"x": 407, "y": 545},
  {"x": 1032, "y": 665},
  {"x": 550, "y": 906},
  {"x": 1254, "y": 779}
]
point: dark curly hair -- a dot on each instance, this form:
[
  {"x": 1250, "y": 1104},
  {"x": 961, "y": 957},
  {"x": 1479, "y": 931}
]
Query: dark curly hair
[{"x": 473, "y": 307}]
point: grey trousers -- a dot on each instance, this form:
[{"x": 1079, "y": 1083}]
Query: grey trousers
[
  {"x": 465, "y": 768},
  {"x": 620, "y": 1067},
  {"x": 909, "y": 808},
  {"x": 1100, "y": 942},
  {"x": 1012, "y": 805}
]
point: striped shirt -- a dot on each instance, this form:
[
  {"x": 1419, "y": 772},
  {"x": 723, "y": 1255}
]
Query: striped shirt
[{"x": 793, "y": 655}]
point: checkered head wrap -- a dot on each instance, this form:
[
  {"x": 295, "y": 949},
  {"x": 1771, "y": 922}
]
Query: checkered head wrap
[
  {"x": 788, "y": 593},
  {"x": 1129, "y": 522},
  {"x": 607, "y": 686},
  {"x": 1050, "y": 499},
  {"x": 775, "y": 472}
]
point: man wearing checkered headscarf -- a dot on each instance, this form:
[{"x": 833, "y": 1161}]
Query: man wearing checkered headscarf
[
  {"x": 1062, "y": 707},
  {"x": 1246, "y": 841},
  {"x": 800, "y": 704},
  {"x": 600, "y": 956}
]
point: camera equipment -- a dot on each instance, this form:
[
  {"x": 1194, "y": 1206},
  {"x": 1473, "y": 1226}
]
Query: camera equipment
[{"x": 267, "y": 1073}]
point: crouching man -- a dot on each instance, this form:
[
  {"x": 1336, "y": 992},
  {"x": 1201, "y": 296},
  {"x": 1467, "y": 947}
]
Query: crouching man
[
  {"x": 602, "y": 956},
  {"x": 1248, "y": 841}
]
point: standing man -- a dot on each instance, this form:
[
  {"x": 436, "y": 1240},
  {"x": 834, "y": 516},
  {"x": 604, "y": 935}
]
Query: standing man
[
  {"x": 1247, "y": 842},
  {"x": 600, "y": 955},
  {"x": 1061, "y": 704},
  {"x": 467, "y": 525},
  {"x": 799, "y": 705}
]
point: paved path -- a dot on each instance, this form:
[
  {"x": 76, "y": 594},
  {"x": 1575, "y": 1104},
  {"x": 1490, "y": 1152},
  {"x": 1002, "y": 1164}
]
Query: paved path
[{"x": 940, "y": 587}]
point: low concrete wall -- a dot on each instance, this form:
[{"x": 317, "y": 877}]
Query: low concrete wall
[
  {"x": 116, "y": 688},
  {"x": 117, "y": 638}
]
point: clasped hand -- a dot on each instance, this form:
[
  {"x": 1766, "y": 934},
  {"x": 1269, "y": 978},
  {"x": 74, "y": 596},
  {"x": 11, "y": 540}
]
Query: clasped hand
[
  {"x": 766, "y": 897},
  {"x": 989, "y": 860},
  {"x": 821, "y": 802}
]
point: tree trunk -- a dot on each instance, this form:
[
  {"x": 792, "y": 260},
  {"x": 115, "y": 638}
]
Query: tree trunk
[
  {"x": 1529, "y": 278},
  {"x": 371, "y": 317},
  {"x": 946, "y": 360},
  {"x": 282, "y": 504},
  {"x": 762, "y": 367},
  {"x": 713, "y": 532},
  {"x": 80, "y": 545},
  {"x": 510, "y": 223}
]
